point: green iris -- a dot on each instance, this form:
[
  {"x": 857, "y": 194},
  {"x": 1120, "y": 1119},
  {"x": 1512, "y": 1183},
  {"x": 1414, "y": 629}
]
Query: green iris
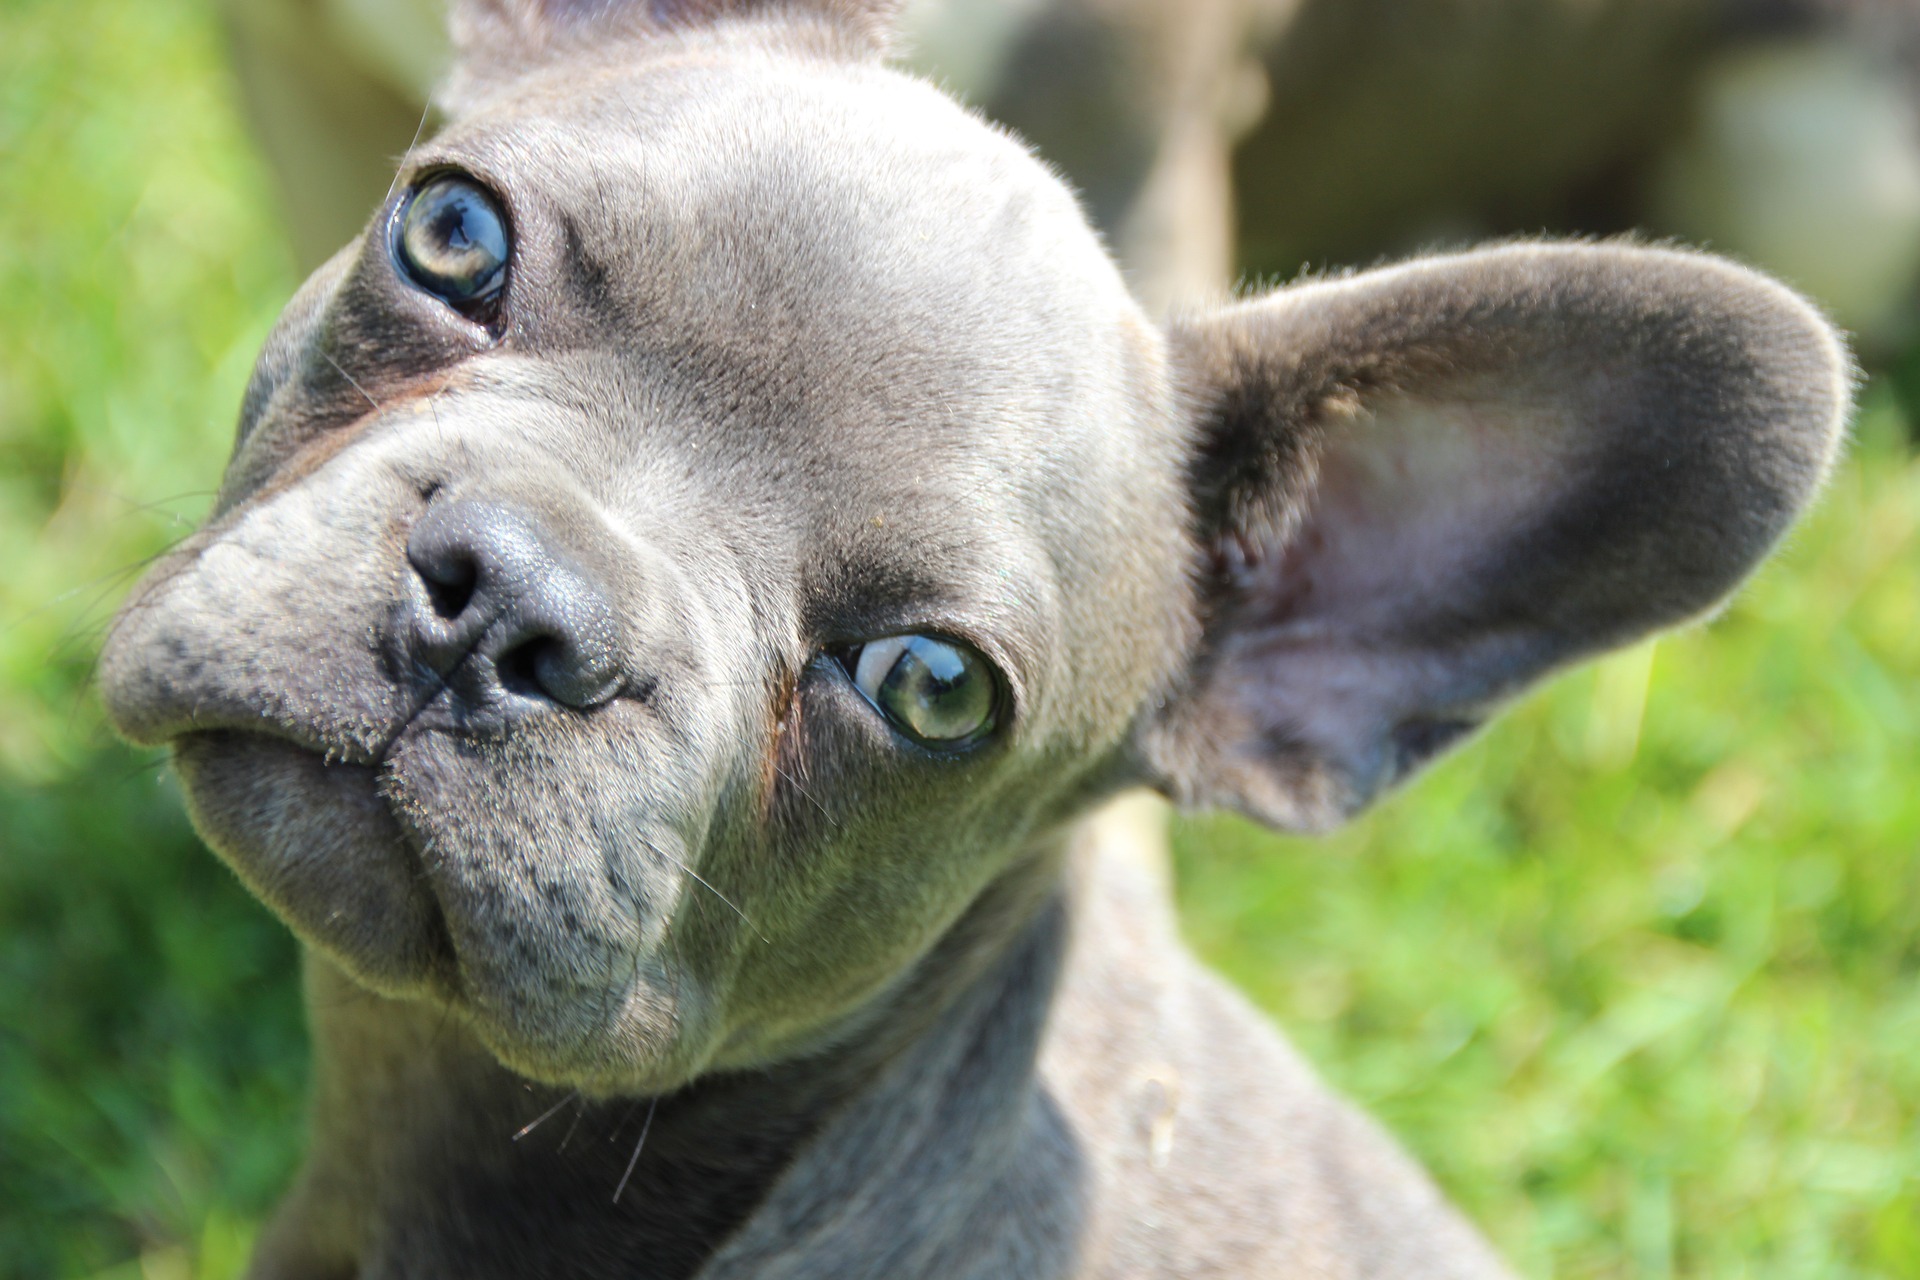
[{"x": 939, "y": 694}]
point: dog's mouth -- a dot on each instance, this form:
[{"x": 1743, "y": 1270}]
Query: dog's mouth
[{"x": 416, "y": 874}]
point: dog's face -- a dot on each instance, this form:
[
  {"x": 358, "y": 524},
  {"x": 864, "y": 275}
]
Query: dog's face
[
  {"x": 726, "y": 511},
  {"x": 674, "y": 559}
]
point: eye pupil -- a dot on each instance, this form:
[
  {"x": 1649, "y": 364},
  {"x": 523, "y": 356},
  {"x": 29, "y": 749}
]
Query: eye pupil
[
  {"x": 451, "y": 237},
  {"x": 937, "y": 693}
]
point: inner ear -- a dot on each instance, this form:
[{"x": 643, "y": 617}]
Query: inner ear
[
  {"x": 1408, "y": 505},
  {"x": 1421, "y": 489}
]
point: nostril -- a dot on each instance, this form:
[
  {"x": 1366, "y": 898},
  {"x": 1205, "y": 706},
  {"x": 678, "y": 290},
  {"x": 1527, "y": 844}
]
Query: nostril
[
  {"x": 450, "y": 582},
  {"x": 548, "y": 666},
  {"x": 520, "y": 666}
]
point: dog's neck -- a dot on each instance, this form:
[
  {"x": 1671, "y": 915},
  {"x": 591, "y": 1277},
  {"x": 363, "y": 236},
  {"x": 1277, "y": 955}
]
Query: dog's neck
[{"x": 424, "y": 1156}]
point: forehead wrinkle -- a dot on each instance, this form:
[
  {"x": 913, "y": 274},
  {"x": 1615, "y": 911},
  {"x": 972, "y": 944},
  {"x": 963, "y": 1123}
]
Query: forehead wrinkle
[
  {"x": 697, "y": 120},
  {"x": 863, "y": 269}
]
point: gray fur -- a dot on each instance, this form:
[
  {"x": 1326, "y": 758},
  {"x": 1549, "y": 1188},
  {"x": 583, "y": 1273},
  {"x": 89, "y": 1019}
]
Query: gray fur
[{"x": 797, "y": 353}]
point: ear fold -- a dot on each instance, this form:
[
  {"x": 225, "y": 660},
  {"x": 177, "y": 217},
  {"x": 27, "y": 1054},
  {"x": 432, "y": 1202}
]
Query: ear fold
[
  {"x": 497, "y": 41},
  {"x": 1425, "y": 487}
]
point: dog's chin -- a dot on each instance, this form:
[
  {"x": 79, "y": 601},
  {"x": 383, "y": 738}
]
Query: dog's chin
[
  {"x": 625, "y": 1057},
  {"x": 318, "y": 842}
]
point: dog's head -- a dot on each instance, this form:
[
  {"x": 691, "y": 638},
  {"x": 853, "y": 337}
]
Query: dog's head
[{"x": 726, "y": 511}]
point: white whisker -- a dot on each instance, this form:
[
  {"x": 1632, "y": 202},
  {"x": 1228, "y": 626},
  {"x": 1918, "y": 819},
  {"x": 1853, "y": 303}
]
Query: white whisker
[
  {"x": 700, "y": 880},
  {"x": 543, "y": 1117},
  {"x": 351, "y": 381},
  {"x": 634, "y": 1160}
]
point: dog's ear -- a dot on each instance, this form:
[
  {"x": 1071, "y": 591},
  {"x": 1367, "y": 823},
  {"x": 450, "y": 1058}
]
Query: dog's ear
[
  {"x": 1421, "y": 488},
  {"x": 497, "y": 41}
]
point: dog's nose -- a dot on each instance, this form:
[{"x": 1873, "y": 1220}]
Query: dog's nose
[{"x": 496, "y": 609}]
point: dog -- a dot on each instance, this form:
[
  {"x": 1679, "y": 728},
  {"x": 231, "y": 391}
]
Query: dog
[{"x": 693, "y": 575}]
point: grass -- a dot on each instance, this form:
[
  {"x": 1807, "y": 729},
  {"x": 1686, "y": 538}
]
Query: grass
[{"x": 1637, "y": 973}]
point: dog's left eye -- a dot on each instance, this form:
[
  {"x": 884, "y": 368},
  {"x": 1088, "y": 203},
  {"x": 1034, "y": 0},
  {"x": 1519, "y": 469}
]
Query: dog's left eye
[
  {"x": 451, "y": 237},
  {"x": 938, "y": 693}
]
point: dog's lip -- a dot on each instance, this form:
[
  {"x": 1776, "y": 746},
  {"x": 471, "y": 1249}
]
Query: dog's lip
[
  {"x": 447, "y": 974},
  {"x": 447, "y": 979},
  {"x": 369, "y": 746},
  {"x": 332, "y": 752},
  {"x": 331, "y": 748},
  {"x": 441, "y": 979}
]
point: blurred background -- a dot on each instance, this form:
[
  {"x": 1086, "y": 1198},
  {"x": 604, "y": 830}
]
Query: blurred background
[{"x": 1637, "y": 974}]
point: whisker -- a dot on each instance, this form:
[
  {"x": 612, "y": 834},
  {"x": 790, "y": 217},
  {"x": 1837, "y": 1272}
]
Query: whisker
[
  {"x": 578, "y": 1113},
  {"x": 78, "y": 636},
  {"x": 144, "y": 598},
  {"x": 135, "y": 507},
  {"x": 351, "y": 380},
  {"x": 748, "y": 682},
  {"x": 429, "y": 859},
  {"x": 701, "y": 880},
  {"x": 418, "y": 129},
  {"x": 544, "y": 1116},
  {"x": 433, "y": 407},
  {"x": 153, "y": 764},
  {"x": 808, "y": 795},
  {"x": 635, "y": 1158},
  {"x": 621, "y": 1123},
  {"x": 105, "y": 582}
]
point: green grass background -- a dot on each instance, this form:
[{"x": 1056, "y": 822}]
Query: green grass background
[{"x": 1637, "y": 974}]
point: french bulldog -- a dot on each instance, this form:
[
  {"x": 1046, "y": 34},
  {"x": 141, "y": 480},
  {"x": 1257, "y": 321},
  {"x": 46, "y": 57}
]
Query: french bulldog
[{"x": 696, "y": 573}]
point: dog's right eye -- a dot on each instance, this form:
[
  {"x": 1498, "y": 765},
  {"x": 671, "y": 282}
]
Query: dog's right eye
[
  {"x": 939, "y": 693},
  {"x": 451, "y": 238}
]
